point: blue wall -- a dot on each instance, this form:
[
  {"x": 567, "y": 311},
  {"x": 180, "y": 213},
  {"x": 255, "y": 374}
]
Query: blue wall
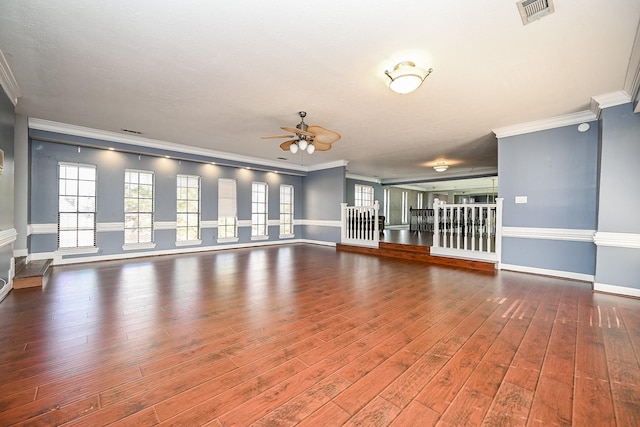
[
  {"x": 323, "y": 191},
  {"x": 557, "y": 170},
  {"x": 7, "y": 118},
  {"x": 44, "y": 158},
  {"x": 618, "y": 237}
]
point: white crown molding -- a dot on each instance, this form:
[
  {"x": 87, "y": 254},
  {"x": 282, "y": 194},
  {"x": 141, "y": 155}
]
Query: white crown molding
[
  {"x": 550, "y": 123},
  {"x": 8, "y": 81},
  {"x": 103, "y": 135},
  {"x": 617, "y": 240},
  {"x": 363, "y": 178},
  {"x": 607, "y": 100},
  {"x": 8, "y": 236},
  {"x": 573, "y": 235},
  {"x": 632, "y": 79},
  {"x": 329, "y": 165},
  {"x": 444, "y": 176}
]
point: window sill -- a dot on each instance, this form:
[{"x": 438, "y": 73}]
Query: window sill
[
  {"x": 138, "y": 246},
  {"x": 254, "y": 238},
  {"x": 189, "y": 243},
  {"x": 287, "y": 236},
  {"x": 77, "y": 251}
]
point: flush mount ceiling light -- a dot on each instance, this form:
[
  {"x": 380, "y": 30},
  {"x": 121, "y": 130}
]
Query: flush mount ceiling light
[
  {"x": 441, "y": 167},
  {"x": 406, "y": 77}
]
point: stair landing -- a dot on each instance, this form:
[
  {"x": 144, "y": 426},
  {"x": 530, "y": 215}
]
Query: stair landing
[
  {"x": 417, "y": 253},
  {"x": 31, "y": 274}
]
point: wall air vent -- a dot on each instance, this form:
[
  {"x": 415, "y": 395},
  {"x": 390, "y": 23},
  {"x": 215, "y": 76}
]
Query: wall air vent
[{"x": 530, "y": 10}]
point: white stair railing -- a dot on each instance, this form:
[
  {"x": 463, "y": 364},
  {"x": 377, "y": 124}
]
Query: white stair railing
[
  {"x": 469, "y": 231},
  {"x": 360, "y": 225}
]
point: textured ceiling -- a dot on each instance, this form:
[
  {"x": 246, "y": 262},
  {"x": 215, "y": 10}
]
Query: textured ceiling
[{"x": 219, "y": 75}]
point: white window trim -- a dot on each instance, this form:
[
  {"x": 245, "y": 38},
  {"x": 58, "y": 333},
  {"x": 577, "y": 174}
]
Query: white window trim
[
  {"x": 145, "y": 245},
  {"x": 264, "y": 236}
]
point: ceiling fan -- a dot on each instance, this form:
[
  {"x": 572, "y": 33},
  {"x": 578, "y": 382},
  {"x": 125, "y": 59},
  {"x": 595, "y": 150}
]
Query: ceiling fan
[{"x": 307, "y": 138}]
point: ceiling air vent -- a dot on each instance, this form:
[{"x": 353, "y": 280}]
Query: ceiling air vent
[{"x": 530, "y": 10}]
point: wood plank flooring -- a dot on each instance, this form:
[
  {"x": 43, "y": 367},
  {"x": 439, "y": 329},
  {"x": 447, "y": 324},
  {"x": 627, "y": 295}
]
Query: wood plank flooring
[{"x": 307, "y": 335}]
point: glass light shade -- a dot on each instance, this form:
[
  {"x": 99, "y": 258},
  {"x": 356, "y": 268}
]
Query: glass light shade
[
  {"x": 293, "y": 148},
  {"x": 441, "y": 167},
  {"x": 303, "y": 144},
  {"x": 406, "y": 77},
  {"x": 311, "y": 149}
]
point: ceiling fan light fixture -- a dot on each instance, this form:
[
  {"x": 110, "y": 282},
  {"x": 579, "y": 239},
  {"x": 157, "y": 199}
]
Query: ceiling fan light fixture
[
  {"x": 311, "y": 148},
  {"x": 303, "y": 144},
  {"x": 293, "y": 148},
  {"x": 406, "y": 77},
  {"x": 441, "y": 167}
]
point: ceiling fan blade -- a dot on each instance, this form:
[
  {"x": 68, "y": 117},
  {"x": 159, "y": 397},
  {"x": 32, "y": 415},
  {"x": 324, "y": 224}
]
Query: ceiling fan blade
[
  {"x": 276, "y": 137},
  {"x": 324, "y": 135},
  {"x": 321, "y": 146},
  {"x": 296, "y": 131},
  {"x": 285, "y": 145}
]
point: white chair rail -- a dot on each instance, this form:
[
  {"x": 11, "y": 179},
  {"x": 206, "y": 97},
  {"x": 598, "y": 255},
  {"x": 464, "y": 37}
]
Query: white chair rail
[{"x": 360, "y": 225}]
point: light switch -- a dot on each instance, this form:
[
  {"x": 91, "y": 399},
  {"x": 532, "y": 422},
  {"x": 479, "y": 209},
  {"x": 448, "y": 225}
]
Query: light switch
[{"x": 521, "y": 199}]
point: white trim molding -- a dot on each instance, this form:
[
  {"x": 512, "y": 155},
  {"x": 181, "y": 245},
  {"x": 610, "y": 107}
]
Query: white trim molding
[
  {"x": 164, "y": 225},
  {"x": 329, "y": 165},
  {"x": 8, "y": 236},
  {"x": 607, "y": 100},
  {"x": 209, "y": 224},
  {"x": 42, "y": 229},
  {"x": 573, "y": 235},
  {"x": 109, "y": 226},
  {"x": 363, "y": 178},
  {"x": 469, "y": 255},
  {"x": 318, "y": 222},
  {"x": 546, "y": 272},
  {"x": 619, "y": 290},
  {"x": 617, "y": 240},
  {"x": 545, "y": 124},
  {"x": 8, "y": 81}
]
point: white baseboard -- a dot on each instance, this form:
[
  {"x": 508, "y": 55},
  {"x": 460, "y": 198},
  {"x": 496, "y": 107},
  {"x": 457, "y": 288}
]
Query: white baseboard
[
  {"x": 545, "y": 272},
  {"x": 59, "y": 260},
  {"x": 620, "y": 290}
]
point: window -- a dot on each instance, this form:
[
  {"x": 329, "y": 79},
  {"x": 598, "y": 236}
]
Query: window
[
  {"x": 227, "y": 214},
  {"x": 258, "y": 209},
  {"x": 387, "y": 206},
  {"x": 138, "y": 207},
  {"x": 286, "y": 210},
  {"x": 405, "y": 207},
  {"x": 76, "y": 206},
  {"x": 420, "y": 200},
  {"x": 364, "y": 195},
  {"x": 188, "y": 208}
]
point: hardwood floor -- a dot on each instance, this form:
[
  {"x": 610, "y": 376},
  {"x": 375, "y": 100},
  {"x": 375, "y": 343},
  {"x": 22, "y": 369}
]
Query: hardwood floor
[{"x": 306, "y": 335}]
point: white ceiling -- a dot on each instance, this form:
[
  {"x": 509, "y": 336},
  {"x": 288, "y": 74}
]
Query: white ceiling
[{"x": 219, "y": 75}]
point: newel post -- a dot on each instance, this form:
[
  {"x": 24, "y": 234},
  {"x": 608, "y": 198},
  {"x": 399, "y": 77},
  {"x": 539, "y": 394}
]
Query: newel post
[
  {"x": 343, "y": 222},
  {"x": 499, "y": 201},
  {"x": 436, "y": 223}
]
